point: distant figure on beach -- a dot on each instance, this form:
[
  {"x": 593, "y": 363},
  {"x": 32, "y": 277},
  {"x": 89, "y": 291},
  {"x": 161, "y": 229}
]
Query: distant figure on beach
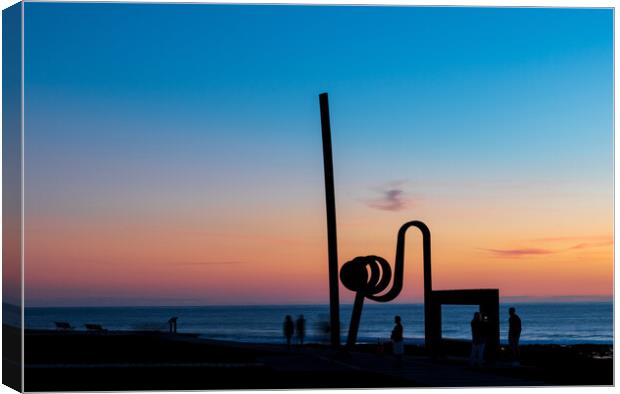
[
  {"x": 289, "y": 329},
  {"x": 301, "y": 329},
  {"x": 322, "y": 329},
  {"x": 477, "y": 340},
  {"x": 398, "y": 346},
  {"x": 514, "y": 334},
  {"x": 173, "y": 324}
]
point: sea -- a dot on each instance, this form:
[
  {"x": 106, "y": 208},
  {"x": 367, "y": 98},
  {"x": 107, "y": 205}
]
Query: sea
[{"x": 543, "y": 323}]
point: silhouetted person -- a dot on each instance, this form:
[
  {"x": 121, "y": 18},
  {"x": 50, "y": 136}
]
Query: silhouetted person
[
  {"x": 487, "y": 337},
  {"x": 477, "y": 340},
  {"x": 514, "y": 334},
  {"x": 289, "y": 329},
  {"x": 173, "y": 324},
  {"x": 322, "y": 329},
  {"x": 300, "y": 328},
  {"x": 398, "y": 346}
]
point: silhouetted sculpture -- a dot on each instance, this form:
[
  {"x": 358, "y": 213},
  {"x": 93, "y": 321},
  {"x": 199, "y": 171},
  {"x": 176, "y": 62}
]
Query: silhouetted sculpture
[
  {"x": 330, "y": 205},
  {"x": 173, "y": 325},
  {"x": 369, "y": 276},
  {"x": 355, "y": 277},
  {"x": 289, "y": 329},
  {"x": 478, "y": 336},
  {"x": 300, "y": 328},
  {"x": 514, "y": 334},
  {"x": 398, "y": 341}
]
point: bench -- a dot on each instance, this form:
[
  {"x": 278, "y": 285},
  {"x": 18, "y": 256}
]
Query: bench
[
  {"x": 63, "y": 326},
  {"x": 94, "y": 327}
]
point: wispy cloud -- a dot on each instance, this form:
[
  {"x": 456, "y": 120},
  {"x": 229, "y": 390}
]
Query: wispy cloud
[
  {"x": 392, "y": 200},
  {"x": 535, "y": 251},
  {"x": 393, "y": 197},
  {"x": 520, "y": 252},
  {"x": 587, "y": 245}
]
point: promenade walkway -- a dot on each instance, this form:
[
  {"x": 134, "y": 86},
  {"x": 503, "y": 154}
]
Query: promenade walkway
[
  {"x": 420, "y": 371},
  {"x": 441, "y": 373}
]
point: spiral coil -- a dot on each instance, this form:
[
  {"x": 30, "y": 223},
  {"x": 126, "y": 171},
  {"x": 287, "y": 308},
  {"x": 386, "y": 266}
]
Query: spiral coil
[{"x": 368, "y": 275}]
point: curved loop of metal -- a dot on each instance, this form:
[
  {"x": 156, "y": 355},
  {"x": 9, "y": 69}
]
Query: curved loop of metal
[
  {"x": 399, "y": 260},
  {"x": 354, "y": 275},
  {"x": 369, "y": 276}
]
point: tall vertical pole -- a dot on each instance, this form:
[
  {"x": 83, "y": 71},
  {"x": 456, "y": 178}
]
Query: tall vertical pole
[
  {"x": 432, "y": 310},
  {"x": 330, "y": 203}
]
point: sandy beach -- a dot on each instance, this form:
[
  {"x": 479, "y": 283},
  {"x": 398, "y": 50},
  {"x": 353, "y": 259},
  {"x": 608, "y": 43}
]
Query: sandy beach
[{"x": 141, "y": 360}]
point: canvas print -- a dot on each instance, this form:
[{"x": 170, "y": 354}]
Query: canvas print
[{"x": 228, "y": 196}]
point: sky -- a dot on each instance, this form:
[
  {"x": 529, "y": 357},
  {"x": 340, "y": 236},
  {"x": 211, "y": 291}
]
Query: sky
[{"x": 173, "y": 152}]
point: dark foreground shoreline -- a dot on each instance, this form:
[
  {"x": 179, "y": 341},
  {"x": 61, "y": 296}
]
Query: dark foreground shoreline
[{"x": 65, "y": 361}]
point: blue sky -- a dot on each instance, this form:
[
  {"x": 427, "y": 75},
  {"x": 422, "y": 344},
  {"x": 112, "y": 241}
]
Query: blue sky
[{"x": 482, "y": 79}]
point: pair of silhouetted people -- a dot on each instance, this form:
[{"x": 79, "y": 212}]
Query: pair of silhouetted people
[
  {"x": 480, "y": 332},
  {"x": 398, "y": 345},
  {"x": 291, "y": 327}
]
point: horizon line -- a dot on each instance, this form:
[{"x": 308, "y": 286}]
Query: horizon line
[{"x": 513, "y": 299}]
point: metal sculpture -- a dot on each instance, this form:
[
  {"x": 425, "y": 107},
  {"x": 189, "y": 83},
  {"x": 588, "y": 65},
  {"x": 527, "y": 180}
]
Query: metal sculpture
[
  {"x": 330, "y": 204},
  {"x": 355, "y": 276},
  {"x": 369, "y": 276}
]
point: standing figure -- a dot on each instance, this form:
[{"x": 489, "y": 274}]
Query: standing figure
[
  {"x": 172, "y": 323},
  {"x": 514, "y": 334},
  {"x": 324, "y": 329},
  {"x": 301, "y": 329},
  {"x": 477, "y": 341},
  {"x": 398, "y": 346},
  {"x": 289, "y": 328}
]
